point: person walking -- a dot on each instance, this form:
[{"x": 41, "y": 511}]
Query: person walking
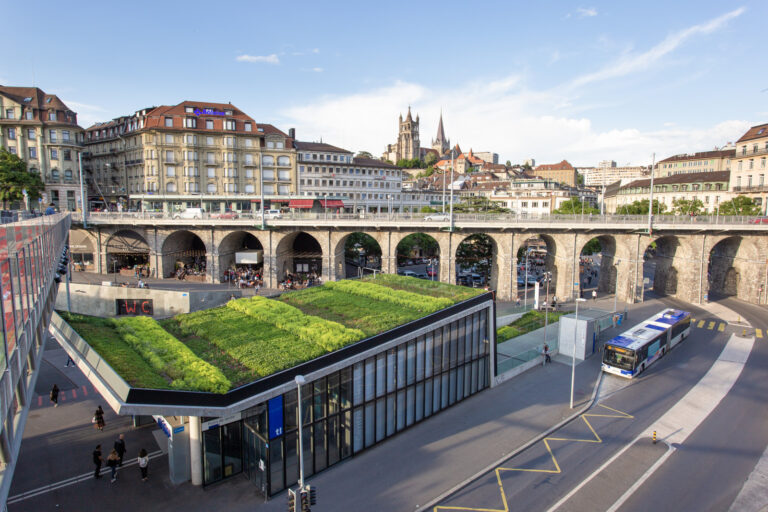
[
  {"x": 97, "y": 460},
  {"x": 120, "y": 448},
  {"x": 547, "y": 359},
  {"x": 112, "y": 462},
  {"x": 55, "y": 395},
  {"x": 594, "y": 295},
  {"x": 143, "y": 461},
  {"x": 98, "y": 418}
]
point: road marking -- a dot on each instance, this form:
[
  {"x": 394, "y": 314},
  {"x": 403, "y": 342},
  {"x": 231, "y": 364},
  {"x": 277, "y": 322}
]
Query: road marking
[
  {"x": 70, "y": 481},
  {"x": 85, "y": 391},
  {"x": 546, "y": 440},
  {"x": 711, "y": 326},
  {"x": 721, "y": 327},
  {"x": 759, "y": 333},
  {"x": 701, "y": 323}
]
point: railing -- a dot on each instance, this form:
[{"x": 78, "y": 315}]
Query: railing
[
  {"x": 751, "y": 188},
  {"x": 751, "y": 152},
  {"x": 631, "y": 222}
]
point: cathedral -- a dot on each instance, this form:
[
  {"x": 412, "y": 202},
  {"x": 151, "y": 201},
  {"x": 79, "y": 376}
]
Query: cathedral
[{"x": 408, "y": 145}]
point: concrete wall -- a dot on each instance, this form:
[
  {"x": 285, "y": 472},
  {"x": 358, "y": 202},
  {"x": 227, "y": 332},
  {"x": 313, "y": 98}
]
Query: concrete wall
[{"x": 88, "y": 299}]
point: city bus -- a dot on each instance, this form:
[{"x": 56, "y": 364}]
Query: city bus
[{"x": 631, "y": 352}]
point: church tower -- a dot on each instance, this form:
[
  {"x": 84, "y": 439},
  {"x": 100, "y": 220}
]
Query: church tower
[
  {"x": 408, "y": 143},
  {"x": 441, "y": 144}
]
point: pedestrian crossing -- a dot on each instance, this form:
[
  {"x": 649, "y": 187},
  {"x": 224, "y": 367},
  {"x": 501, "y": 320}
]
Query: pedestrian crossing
[
  {"x": 69, "y": 395},
  {"x": 711, "y": 325}
]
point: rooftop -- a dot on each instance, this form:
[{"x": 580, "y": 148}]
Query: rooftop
[
  {"x": 756, "y": 132},
  {"x": 696, "y": 177}
]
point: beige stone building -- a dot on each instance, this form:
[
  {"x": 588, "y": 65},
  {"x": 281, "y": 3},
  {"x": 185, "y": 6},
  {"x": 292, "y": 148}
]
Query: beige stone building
[
  {"x": 599, "y": 176},
  {"x": 562, "y": 172},
  {"x": 749, "y": 166},
  {"x": 705, "y": 161},
  {"x": 711, "y": 188},
  {"x": 43, "y": 131},
  {"x": 193, "y": 148}
]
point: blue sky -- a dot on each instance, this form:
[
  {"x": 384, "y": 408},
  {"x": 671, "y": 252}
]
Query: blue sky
[{"x": 551, "y": 81}]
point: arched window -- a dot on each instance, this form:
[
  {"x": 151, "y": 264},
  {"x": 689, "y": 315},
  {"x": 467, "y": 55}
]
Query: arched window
[
  {"x": 268, "y": 160},
  {"x": 283, "y": 160},
  {"x": 55, "y": 174},
  {"x": 68, "y": 174},
  {"x": 170, "y": 187}
]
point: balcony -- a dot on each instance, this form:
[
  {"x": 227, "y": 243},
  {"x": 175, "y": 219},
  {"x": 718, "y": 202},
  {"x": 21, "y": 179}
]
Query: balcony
[
  {"x": 750, "y": 153},
  {"x": 753, "y": 188}
]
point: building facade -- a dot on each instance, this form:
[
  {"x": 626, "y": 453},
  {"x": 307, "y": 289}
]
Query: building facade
[
  {"x": 189, "y": 148},
  {"x": 597, "y": 177},
  {"x": 711, "y": 188},
  {"x": 562, "y": 172},
  {"x": 41, "y": 130},
  {"x": 538, "y": 197},
  {"x": 749, "y": 166},
  {"x": 706, "y": 161},
  {"x": 408, "y": 145}
]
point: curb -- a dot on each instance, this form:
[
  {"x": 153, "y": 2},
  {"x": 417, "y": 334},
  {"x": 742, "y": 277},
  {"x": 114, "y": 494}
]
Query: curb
[{"x": 515, "y": 452}]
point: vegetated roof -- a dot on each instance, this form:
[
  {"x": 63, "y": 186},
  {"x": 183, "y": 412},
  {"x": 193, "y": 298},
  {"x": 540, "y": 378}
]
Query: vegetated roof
[
  {"x": 248, "y": 339},
  {"x": 756, "y": 132}
]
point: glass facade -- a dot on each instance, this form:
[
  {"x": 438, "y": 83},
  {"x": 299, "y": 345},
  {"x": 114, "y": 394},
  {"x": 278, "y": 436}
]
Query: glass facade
[{"x": 352, "y": 409}]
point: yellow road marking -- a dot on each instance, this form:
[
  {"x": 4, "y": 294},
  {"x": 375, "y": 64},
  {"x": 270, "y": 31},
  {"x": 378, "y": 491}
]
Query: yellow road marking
[
  {"x": 721, "y": 327},
  {"x": 711, "y": 326},
  {"x": 701, "y": 323},
  {"x": 556, "y": 469},
  {"x": 759, "y": 333}
]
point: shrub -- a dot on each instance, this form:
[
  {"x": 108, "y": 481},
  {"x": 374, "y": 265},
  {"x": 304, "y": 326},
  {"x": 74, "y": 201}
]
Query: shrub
[{"x": 421, "y": 303}]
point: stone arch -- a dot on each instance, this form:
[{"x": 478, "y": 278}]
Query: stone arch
[
  {"x": 83, "y": 248},
  {"x": 733, "y": 263},
  {"x": 298, "y": 253},
  {"x": 126, "y": 248},
  {"x": 343, "y": 251},
  {"x": 408, "y": 247},
  {"x": 238, "y": 241},
  {"x": 546, "y": 250},
  {"x": 185, "y": 248},
  {"x": 484, "y": 262},
  {"x": 607, "y": 272},
  {"x": 663, "y": 263}
]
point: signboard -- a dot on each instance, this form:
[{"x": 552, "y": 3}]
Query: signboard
[
  {"x": 163, "y": 424},
  {"x": 134, "y": 307},
  {"x": 275, "y": 416}
]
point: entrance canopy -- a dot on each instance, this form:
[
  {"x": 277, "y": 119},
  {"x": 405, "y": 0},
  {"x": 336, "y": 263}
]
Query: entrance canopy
[
  {"x": 332, "y": 203},
  {"x": 301, "y": 203}
]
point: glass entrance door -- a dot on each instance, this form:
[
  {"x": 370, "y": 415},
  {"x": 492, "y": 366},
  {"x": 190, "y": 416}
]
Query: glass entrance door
[{"x": 256, "y": 457}]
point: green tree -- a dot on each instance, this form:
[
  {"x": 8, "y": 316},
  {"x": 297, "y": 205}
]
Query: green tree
[
  {"x": 740, "y": 205},
  {"x": 14, "y": 178},
  {"x": 592, "y": 247},
  {"x": 477, "y": 204},
  {"x": 580, "y": 179},
  {"x": 687, "y": 206},
  {"x": 641, "y": 208},
  {"x": 509, "y": 163},
  {"x": 574, "y": 206},
  {"x": 430, "y": 159},
  {"x": 427, "y": 209},
  {"x": 411, "y": 244},
  {"x": 414, "y": 163},
  {"x": 364, "y": 154}
]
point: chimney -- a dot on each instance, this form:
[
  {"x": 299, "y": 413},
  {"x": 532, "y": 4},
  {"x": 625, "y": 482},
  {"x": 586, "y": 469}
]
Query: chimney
[{"x": 292, "y": 133}]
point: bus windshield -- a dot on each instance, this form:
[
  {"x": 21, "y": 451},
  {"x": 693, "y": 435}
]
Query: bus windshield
[{"x": 619, "y": 357}]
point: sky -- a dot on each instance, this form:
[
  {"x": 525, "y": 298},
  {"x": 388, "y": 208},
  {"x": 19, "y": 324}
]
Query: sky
[{"x": 547, "y": 80}]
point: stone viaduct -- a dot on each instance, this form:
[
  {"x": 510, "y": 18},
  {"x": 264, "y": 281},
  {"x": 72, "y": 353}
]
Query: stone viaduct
[{"x": 692, "y": 259}]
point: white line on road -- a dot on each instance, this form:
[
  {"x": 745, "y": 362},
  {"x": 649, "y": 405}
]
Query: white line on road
[{"x": 69, "y": 481}]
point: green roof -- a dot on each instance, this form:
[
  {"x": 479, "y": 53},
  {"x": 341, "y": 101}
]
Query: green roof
[{"x": 247, "y": 339}]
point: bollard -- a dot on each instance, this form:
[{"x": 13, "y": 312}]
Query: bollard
[
  {"x": 654, "y": 437},
  {"x": 743, "y": 332}
]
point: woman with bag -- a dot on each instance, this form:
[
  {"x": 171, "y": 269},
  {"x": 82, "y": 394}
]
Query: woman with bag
[
  {"x": 112, "y": 462},
  {"x": 143, "y": 461}
]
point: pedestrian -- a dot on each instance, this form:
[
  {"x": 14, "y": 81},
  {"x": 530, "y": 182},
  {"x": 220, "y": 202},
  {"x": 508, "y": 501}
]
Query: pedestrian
[
  {"x": 112, "y": 462},
  {"x": 547, "y": 359},
  {"x": 55, "y": 395},
  {"x": 594, "y": 295},
  {"x": 97, "y": 460},
  {"x": 143, "y": 461},
  {"x": 518, "y": 302},
  {"x": 120, "y": 448},
  {"x": 69, "y": 361},
  {"x": 98, "y": 418}
]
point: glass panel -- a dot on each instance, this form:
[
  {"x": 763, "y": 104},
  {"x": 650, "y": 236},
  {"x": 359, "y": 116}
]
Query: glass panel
[
  {"x": 345, "y": 386},
  {"x": 460, "y": 382},
  {"x": 391, "y": 370},
  {"x": 357, "y": 436},
  {"x": 390, "y": 415},
  {"x": 370, "y": 378},
  {"x": 483, "y": 333},
  {"x": 292, "y": 457},
  {"x": 290, "y": 410},
  {"x": 454, "y": 343},
  {"x": 420, "y": 358},
  {"x": 307, "y": 442},
  {"x": 276, "y": 465},
  {"x": 319, "y": 447},
  {"x": 411, "y": 377},
  {"x": 474, "y": 376},
  {"x": 231, "y": 438},
  {"x": 333, "y": 393},
  {"x": 438, "y": 351},
  {"x": 452, "y": 391},
  {"x": 346, "y": 434},
  {"x": 419, "y": 401},
  {"x": 436, "y": 393},
  {"x": 212, "y": 455},
  {"x": 381, "y": 416},
  {"x": 400, "y": 366},
  {"x": 428, "y": 398},
  {"x": 357, "y": 387},
  {"x": 444, "y": 394},
  {"x": 428, "y": 356},
  {"x": 410, "y": 405},
  {"x": 475, "y": 336},
  {"x": 462, "y": 334},
  {"x": 481, "y": 373},
  {"x": 381, "y": 374},
  {"x": 400, "y": 410},
  {"x": 319, "y": 398},
  {"x": 370, "y": 424},
  {"x": 467, "y": 379},
  {"x": 306, "y": 404},
  {"x": 333, "y": 440}
]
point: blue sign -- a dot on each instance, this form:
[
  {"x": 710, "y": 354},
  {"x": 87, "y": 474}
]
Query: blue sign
[
  {"x": 208, "y": 112},
  {"x": 275, "y": 416}
]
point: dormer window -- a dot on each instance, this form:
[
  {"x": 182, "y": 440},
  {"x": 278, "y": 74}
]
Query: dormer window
[
  {"x": 189, "y": 110},
  {"x": 228, "y": 112}
]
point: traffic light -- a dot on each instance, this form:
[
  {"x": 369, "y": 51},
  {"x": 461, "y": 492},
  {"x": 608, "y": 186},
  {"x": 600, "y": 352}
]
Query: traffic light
[
  {"x": 305, "y": 500},
  {"x": 291, "y": 500},
  {"x": 312, "y": 494}
]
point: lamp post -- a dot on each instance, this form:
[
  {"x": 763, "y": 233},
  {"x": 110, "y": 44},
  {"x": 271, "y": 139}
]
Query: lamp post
[
  {"x": 525, "y": 296},
  {"x": 650, "y": 198},
  {"x": 452, "y": 164},
  {"x": 546, "y": 305},
  {"x": 615, "y": 286},
  {"x": 300, "y": 381},
  {"x": 83, "y": 207},
  {"x": 573, "y": 352}
]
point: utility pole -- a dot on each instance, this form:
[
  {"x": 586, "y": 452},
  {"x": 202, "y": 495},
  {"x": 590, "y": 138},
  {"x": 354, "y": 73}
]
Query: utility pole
[{"x": 650, "y": 200}]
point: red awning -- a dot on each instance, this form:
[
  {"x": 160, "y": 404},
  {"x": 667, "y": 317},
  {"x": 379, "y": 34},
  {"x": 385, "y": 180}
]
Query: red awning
[
  {"x": 301, "y": 203},
  {"x": 331, "y": 203}
]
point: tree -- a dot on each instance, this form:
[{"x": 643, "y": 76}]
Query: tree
[
  {"x": 411, "y": 243},
  {"x": 414, "y": 163},
  {"x": 580, "y": 179},
  {"x": 592, "y": 247},
  {"x": 476, "y": 204},
  {"x": 430, "y": 159},
  {"x": 574, "y": 206},
  {"x": 509, "y": 163},
  {"x": 687, "y": 206},
  {"x": 364, "y": 154},
  {"x": 14, "y": 178},
  {"x": 641, "y": 208},
  {"x": 427, "y": 209},
  {"x": 740, "y": 205}
]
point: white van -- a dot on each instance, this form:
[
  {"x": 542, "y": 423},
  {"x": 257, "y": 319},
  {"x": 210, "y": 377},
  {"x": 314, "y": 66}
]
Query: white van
[
  {"x": 190, "y": 213},
  {"x": 269, "y": 214}
]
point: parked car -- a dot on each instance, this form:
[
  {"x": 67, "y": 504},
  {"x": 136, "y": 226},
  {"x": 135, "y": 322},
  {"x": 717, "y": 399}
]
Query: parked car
[
  {"x": 759, "y": 220},
  {"x": 439, "y": 217},
  {"x": 189, "y": 213},
  {"x": 269, "y": 214},
  {"x": 431, "y": 271},
  {"x": 224, "y": 215},
  {"x": 421, "y": 275},
  {"x": 408, "y": 273}
]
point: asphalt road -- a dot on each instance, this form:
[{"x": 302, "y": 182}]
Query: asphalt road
[{"x": 532, "y": 481}]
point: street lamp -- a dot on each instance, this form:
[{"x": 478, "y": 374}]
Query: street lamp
[
  {"x": 300, "y": 381},
  {"x": 573, "y": 352},
  {"x": 525, "y": 296},
  {"x": 616, "y": 286},
  {"x": 452, "y": 164},
  {"x": 546, "y": 305}
]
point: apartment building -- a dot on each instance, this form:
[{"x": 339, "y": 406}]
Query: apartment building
[
  {"x": 191, "y": 148},
  {"x": 562, "y": 172},
  {"x": 749, "y": 166},
  {"x": 341, "y": 180},
  {"x": 537, "y": 197},
  {"x": 597, "y": 177},
  {"x": 41, "y": 130},
  {"x": 705, "y": 161},
  {"x": 711, "y": 188}
]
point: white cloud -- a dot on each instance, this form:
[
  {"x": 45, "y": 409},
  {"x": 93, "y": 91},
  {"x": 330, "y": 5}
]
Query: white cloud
[
  {"x": 88, "y": 114},
  {"x": 315, "y": 50},
  {"x": 586, "y": 12},
  {"x": 317, "y": 70},
  {"x": 269, "y": 59},
  {"x": 633, "y": 63}
]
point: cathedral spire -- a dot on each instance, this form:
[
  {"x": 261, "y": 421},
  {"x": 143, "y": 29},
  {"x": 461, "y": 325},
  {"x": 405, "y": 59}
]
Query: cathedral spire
[
  {"x": 441, "y": 144},
  {"x": 440, "y": 131},
  {"x": 409, "y": 118}
]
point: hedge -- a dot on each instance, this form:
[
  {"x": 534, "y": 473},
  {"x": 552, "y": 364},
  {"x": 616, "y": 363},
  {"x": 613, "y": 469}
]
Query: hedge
[
  {"x": 168, "y": 355},
  {"x": 402, "y": 298}
]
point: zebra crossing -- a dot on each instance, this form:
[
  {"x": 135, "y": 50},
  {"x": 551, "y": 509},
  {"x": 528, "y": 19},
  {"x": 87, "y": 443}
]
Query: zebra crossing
[{"x": 711, "y": 325}]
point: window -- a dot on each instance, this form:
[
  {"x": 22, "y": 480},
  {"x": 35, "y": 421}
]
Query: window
[
  {"x": 230, "y": 172},
  {"x": 170, "y": 187},
  {"x": 209, "y": 141},
  {"x": 168, "y": 138},
  {"x": 12, "y": 150},
  {"x": 51, "y": 116},
  {"x": 268, "y": 160},
  {"x": 169, "y": 156},
  {"x": 249, "y": 143},
  {"x": 191, "y": 171},
  {"x": 229, "y": 141},
  {"x": 749, "y": 180},
  {"x": 231, "y": 157},
  {"x": 31, "y": 134},
  {"x": 68, "y": 175},
  {"x": 30, "y": 115},
  {"x": 209, "y": 124},
  {"x": 269, "y": 189},
  {"x": 55, "y": 175},
  {"x": 52, "y": 135},
  {"x": 191, "y": 139},
  {"x": 270, "y": 144},
  {"x": 67, "y": 155},
  {"x": 54, "y": 154},
  {"x": 65, "y": 135},
  {"x": 9, "y": 113},
  {"x": 762, "y": 180},
  {"x": 248, "y": 127},
  {"x": 170, "y": 171},
  {"x": 249, "y": 189},
  {"x": 192, "y": 187},
  {"x": 190, "y": 122},
  {"x": 762, "y": 163},
  {"x": 189, "y": 110},
  {"x": 283, "y": 189},
  {"x": 751, "y": 164},
  {"x": 12, "y": 134},
  {"x": 231, "y": 187},
  {"x": 248, "y": 159},
  {"x": 229, "y": 124},
  {"x": 210, "y": 158},
  {"x": 169, "y": 122},
  {"x": 211, "y": 188},
  {"x": 283, "y": 160},
  {"x": 211, "y": 172},
  {"x": 249, "y": 173},
  {"x": 32, "y": 152}
]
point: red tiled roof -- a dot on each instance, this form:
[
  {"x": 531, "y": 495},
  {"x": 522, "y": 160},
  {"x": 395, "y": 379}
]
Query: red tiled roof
[
  {"x": 726, "y": 153},
  {"x": 756, "y": 132}
]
